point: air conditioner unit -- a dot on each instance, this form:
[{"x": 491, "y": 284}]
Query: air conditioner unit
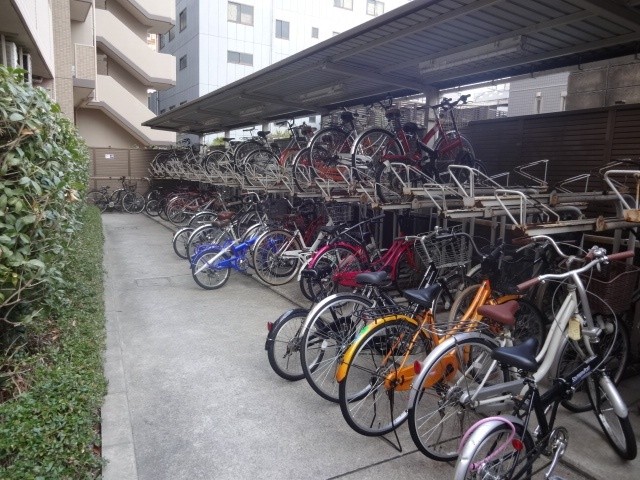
[{"x": 12, "y": 54}]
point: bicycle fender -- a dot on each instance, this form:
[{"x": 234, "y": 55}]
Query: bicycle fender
[
  {"x": 347, "y": 358},
  {"x": 271, "y": 332},
  {"x": 479, "y": 433},
  {"x": 618, "y": 404},
  {"x": 438, "y": 351}
]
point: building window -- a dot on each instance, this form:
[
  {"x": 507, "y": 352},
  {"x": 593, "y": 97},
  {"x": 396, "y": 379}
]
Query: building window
[
  {"x": 314, "y": 32},
  {"x": 375, "y": 7},
  {"x": 348, "y": 4},
  {"x": 172, "y": 34},
  {"x": 183, "y": 19},
  {"x": 161, "y": 41},
  {"x": 240, "y": 58},
  {"x": 312, "y": 119},
  {"x": 183, "y": 62},
  {"x": 282, "y": 29},
  {"x": 537, "y": 106},
  {"x": 240, "y": 13}
]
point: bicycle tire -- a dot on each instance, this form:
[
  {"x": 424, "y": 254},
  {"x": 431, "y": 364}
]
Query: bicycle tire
[
  {"x": 213, "y": 159},
  {"x": 485, "y": 441},
  {"x": 270, "y": 264},
  {"x": 243, "y": 149},
  {"x": 283, "y": 344},
  {"x": 437, "y": 420},
  {"x": 409, "y": 271},
  {"x": 205, "y": 234},
  {"x": 371, "y": 148},
  {"x": 180, "y": 242},
  {"x": 211, "y": 277},
  {"x": 460, "y": 155},
  {"x": 326, "y": 264},
  {"x": 330, "y": 328},
  {"x": 329, "y": 147},
  {"x": 202, "y": 218},
  {"x": 133, "y": 202},
  {"x": 391, "y": 179},
  {"x": 617, "y": 428},
  {"x": 373, "y": 393},
  {"x": 262, "y": 168},
  {"x": 151, "y": 208},
  {"x": 98, "y": 199},
  {"x": 614, "y": 365}
]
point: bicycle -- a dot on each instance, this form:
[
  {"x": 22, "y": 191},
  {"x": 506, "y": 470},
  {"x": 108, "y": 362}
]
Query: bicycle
[
  {"x": 503, "y": 447},
  {"x": 399, "y": 156},
  {"x": 377, "y": 369},
  {"x": 124, "y": 198},
  {"x": 459, "y": 382},
  {"x": 329, "y": 147}
]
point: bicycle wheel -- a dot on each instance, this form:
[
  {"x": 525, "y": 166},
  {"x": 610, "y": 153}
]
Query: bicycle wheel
[
  {"x": 605, "y": 400},
  {"x": 453, "y": 154},
  {"x": 391, "y": 180},
  {"x": 329, "y": 148},
  {"x": 202, "y": 218},
  {"x": 133, "y": 202},
  {"x": 283, "y": 344},
  {"x": 245, "y": 148},
  {"x": 614, "y": 343},
  {"x": 206, "y": 270},
  {"x": 274, "y": 257},
  {"x": 203, "y": 235},
  {"x": 98, "y": 199},
  {"x": 373, "y": 147},
  {"x": 484, "y": 443},
  {"x": 213, "y": 159},
  {"x": 332, "y": 325},
  {"x": 151, "y": 208},
  {"x": 376, "y": 384},
  {"x": 262, "y": 168},
  {"x": 334, "y": 259},
  {"x": 437, "y": 418},
  {"x": 181, "y": 241}
]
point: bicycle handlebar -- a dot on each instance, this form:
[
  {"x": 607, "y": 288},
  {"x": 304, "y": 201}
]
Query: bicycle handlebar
[{"x": 521, "y": 287}]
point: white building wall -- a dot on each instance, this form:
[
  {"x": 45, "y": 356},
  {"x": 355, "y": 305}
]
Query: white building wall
[
  {"x": 215, "y": 36},
  {"x": 542, "y": 94}
]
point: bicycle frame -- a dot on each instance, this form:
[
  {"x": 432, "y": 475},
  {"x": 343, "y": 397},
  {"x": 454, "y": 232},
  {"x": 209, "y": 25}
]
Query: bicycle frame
[{"x": 238, "y": 253}]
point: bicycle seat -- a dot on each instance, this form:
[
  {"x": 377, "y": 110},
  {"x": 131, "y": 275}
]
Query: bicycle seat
[
  {"x": 224, "y": 216},
  {"x": 505, "y": 313},
  {"x": 373, "y": 278},
  {"x": 227, "y": 139},
  {"x": 521, "y": 356},
  {"x": 264, "y": 133},
  {"x": 423, "y": 296}
]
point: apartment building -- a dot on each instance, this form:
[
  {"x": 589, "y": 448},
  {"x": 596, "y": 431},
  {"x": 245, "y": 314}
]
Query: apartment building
[
  {"x": 93, "y": 58},
  {"x": 216, "y": 42}
]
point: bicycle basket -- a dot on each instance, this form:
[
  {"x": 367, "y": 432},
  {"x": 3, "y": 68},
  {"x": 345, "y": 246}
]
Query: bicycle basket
[
  {"x": 340, "y": 212},
  {"x": 130, "y": 185},
  {"x": 277, "y": 209},
  {"x": 445, "y": 252},
  {"x": 613, "y": 287}
]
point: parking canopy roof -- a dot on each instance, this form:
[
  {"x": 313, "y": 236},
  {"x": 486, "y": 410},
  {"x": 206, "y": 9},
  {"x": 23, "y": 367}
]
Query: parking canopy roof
[{"x": 421, "y": 46}]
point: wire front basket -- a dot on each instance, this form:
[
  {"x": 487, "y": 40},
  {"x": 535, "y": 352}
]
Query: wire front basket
[
  {"x": 611, "y": 288},
  {"x": 340, "y": 212},
  {"x": 445, "y": 251}
]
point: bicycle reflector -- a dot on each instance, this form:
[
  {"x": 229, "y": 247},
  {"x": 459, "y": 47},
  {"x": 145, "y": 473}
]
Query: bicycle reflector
[
  {"x": 417, "y": 366},
  {"x": 269, "y": 326},
  {"x": 517, "y": 444}
]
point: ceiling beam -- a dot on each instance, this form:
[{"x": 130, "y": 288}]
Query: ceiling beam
[
  {"x": 441, "y": 75},
  {"x": 432, "y": 22},
  {"x": 279, "y": 101},
  {"x": 374, "y": 76},
  {"x": 556, "y": 22},
  {"x": 613, "y": 11}
]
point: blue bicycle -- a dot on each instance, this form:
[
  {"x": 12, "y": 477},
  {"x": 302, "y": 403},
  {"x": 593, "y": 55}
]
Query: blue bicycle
[{"x": 211, "y": 264}]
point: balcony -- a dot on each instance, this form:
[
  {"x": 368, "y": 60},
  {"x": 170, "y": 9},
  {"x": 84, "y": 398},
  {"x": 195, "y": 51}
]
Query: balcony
[
  {"x": 80, "y": 9},
  {"x": 158, "y": 15},
  {"x": 155, "y": 70},
  {"x": 126, "y": 110}
]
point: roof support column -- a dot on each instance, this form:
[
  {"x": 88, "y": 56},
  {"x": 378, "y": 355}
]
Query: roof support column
[{"x": 432, "y": 96}]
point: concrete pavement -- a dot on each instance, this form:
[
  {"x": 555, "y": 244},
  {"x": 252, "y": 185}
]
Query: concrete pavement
[{"x": 191, "y": 394}]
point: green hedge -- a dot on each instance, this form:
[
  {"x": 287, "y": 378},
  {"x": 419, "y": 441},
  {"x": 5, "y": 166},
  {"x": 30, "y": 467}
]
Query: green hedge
[
  {"x": 51, "y": 309},
  {"x": 51, "y": 430}
]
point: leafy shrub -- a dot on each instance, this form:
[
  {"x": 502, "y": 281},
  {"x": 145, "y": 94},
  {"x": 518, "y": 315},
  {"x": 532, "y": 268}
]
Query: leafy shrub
[{"x": 43, "y": 164}]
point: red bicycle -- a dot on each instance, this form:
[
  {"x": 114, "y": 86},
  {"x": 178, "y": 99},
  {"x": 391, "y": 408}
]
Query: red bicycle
[{"x": 386, "y": 153}]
